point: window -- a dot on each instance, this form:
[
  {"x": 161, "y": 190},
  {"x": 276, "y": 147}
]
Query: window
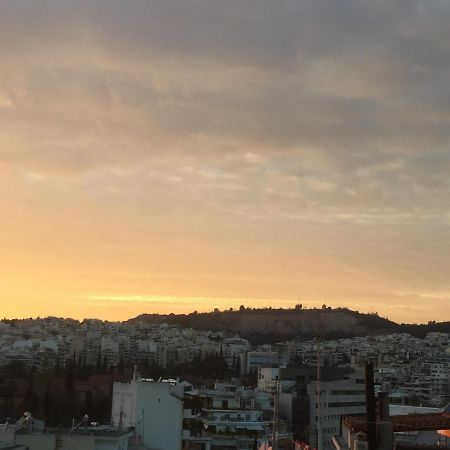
[
  {"x": 343, "y": 404},
  {"x": 347, "y": 392}
]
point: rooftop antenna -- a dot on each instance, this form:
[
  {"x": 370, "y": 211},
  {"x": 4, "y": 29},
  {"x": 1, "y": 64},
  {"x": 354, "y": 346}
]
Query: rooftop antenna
[
  {"x": 318, "y": 387},
  {"x": 318, "y": 398},
  {"x": 84, "y": 420},
  {"x": 276, "y": 405},
  {"x": 26, "y": 419},
  {"x": 121, "y": 415}
]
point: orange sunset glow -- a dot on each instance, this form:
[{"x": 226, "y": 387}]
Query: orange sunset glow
[{"x": 173, "y": 156}]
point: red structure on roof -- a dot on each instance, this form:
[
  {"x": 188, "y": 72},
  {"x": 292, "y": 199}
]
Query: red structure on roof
[{"x": 410, "y": 422}]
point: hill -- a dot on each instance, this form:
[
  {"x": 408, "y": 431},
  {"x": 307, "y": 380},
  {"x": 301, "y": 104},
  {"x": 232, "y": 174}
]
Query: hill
[{"x": 272, "y": 325}]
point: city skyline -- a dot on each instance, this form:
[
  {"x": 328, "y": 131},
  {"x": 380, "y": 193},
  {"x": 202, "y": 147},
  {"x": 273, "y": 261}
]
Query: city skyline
[
  {"x": 171, "y": 156},
  {"x": 173, "y": 306}
]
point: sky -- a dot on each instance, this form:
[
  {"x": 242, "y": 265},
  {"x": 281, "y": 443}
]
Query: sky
[{"x": 179, "y": 155}]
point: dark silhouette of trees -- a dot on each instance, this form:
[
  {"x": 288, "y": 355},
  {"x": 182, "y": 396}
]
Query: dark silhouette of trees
[
  {"x": 121, "y": 366},
  {"x": 104, "y": 369},
  {"x": 31, "y": 401},
  {"x": 89, "y": 404},
  {"x": 98, "y": 364},
  {"x": 237, "y": 366},
  {"x": 47, "y": 404},
  {"x": 69, "y": 379}
]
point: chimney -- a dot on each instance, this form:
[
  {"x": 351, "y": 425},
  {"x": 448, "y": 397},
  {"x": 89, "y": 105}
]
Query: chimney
[
  {"x": 385, "y": 430},
  {"x": 383, "y": 406},
  {"x": 370, "y": 407}
]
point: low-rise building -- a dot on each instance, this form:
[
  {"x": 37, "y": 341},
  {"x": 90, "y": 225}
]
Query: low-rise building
[
  {"x": 153, "y": 409},
  {"x": 90, "y": 438}
]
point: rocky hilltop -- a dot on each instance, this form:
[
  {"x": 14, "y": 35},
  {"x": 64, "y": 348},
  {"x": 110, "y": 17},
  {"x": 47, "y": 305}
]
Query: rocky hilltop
[{"x": 271, "y": 325}]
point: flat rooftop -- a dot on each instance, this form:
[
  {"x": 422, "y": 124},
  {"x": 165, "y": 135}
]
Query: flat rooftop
[{"x": 85, "y": 431}]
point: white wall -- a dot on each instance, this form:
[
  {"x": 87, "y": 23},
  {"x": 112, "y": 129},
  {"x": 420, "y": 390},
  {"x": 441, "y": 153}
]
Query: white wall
[
  {"x": 338, "y": 398},
  {"x": 154, "y": 409},
  {"x": 39, "y": 441}
]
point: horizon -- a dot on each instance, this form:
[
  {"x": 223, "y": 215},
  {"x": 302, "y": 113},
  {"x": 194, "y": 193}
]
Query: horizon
[
  {"x": 226, "y": 310},
  {"x": 166, "y": 156}
]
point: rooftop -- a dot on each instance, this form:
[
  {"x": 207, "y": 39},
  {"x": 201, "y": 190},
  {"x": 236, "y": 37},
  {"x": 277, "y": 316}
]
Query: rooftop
[
  {"x": 86, "y": 431},
  {"x": 410, "y": 422}
]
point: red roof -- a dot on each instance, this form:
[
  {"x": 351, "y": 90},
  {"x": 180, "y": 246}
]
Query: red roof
[
  {"x": 417, "y": 447},
  {"x": 410, "y": 422}
]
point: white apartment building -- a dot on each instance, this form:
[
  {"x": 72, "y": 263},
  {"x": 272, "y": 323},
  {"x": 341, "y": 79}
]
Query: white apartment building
[
  {"x": 231, "y": 417},
  {"x": 233, "y": 420},
  {"x": 254, "y": 360},
  {"x": 440, "y": 382},
  {"x": 233, "y": 347},
  {"x": 337, "y": 398},
  {"x": 152, "y": 352},
  {"x": 110, "y": 350},
  {"x": 267, "y": 378},
  {"x": 153, "y": 409}
]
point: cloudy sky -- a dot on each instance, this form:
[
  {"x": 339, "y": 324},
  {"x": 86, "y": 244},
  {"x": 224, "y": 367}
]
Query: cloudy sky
[{"x": 171, "y": 155}]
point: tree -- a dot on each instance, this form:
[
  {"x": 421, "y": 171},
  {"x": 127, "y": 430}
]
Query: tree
[
  {"x": 237, "y": 368},
  {"x": 89, "y": 404},
  {"x": 98, "y": 364},
  {"x": 31, "y": 400},
  {"x": 69, "y": 381},
  {"x": 79, "y": 368},
  {"x": 57, "y": 370},
  {"x": 47, "y": 406},
  {"x": 16, "y": 369},
  {"x": 121, "y": 365}
]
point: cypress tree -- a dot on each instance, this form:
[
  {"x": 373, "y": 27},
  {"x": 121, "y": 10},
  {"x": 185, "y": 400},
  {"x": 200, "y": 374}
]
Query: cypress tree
[
  {"x": 98, "y": 364},
  {"x": 105, "y": 366},
  {"x": 47, "y": 407}
]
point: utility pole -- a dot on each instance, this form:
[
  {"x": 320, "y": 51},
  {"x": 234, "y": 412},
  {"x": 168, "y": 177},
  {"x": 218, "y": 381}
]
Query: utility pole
[
  {"x": 318, "y": 399},
  {"x": 276, "y": 406},
  {"x": 320, "y": 331},
  {"x": 370, "y": 407}
]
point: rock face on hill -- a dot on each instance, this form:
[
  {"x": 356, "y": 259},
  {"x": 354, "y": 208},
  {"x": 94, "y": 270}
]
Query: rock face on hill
[{"x": 270, "y": 325}]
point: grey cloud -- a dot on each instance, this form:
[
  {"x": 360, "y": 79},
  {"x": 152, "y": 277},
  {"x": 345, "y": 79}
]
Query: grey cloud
[{"x": 331, "y": 94}]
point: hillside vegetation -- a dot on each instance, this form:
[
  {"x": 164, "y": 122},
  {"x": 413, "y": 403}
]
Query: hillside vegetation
[{"x": 271, "y": 325}]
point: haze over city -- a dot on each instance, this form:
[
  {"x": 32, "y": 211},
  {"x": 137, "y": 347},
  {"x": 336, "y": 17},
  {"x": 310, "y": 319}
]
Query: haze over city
[{"x": 172, "y": 156}]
